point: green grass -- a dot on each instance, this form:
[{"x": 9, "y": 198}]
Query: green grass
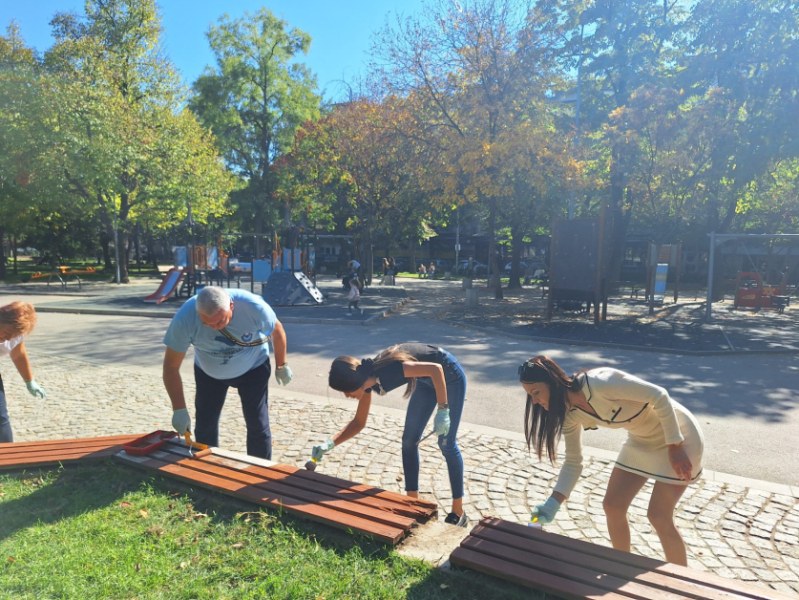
[{"x": 108, "y": 531}]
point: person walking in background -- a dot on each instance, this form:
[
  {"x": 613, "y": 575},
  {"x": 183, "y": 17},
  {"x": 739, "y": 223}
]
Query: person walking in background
[
  {"x": 422, "y": 271},
  {"x": 434, "y": 381},
  {"x": 354, "y": 296},
  {"x": 431, "y": 270},
  {"x": 230, "y": 331},
  {"x": 664, "y": 443},
  {"x": 17, "y": 320}
]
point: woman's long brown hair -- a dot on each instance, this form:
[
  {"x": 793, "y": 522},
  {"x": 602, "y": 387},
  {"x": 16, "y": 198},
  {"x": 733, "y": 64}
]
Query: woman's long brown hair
[
  {"x": 348, "y": 373},
  {"x": 542, "y": 427}
]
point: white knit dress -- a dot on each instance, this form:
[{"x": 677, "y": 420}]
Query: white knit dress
[{"x": 652, "y": 420}]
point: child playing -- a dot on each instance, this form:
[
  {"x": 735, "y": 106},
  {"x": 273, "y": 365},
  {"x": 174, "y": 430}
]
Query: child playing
[{"x": 354, "y": 297}]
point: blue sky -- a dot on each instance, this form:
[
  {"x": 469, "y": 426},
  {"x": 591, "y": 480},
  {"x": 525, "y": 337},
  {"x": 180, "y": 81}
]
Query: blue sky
[{"x": 341, "y": 30}]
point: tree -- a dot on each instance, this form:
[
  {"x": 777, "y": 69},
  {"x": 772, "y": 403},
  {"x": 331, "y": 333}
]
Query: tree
[
  {"x": 254, "y": 100},
  {"x": 465, "y": 65},
  {"x": 124, "y": 146},
  {"x": 741, "y": 72},
  {"x": 18, "y": 85}
]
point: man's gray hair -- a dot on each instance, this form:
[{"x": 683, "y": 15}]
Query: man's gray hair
[{"x": 212, "y": 299}]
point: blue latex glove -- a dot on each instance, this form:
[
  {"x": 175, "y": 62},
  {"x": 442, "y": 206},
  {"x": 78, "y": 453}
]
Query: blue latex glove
[
  {"x": 319, "y": 451},
  {"x": 545, "y": 513},
  {"x": 283, "y": 375},
  {"x": 181, "y": 421},
  {"x": 441, "y": 422},
  {"x": 35, "y": 389}
]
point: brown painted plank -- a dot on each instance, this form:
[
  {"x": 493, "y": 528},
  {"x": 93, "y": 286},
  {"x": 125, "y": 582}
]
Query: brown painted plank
[
  {"x": 119, "y": 438},
  {"x": 330, "y": 487},
  {"x": 48, "y": 452},
  {"x": 284, "y": 486},
  {"x": 562, "y": 550},
  {"x": 418, "y": 508},
  {"x": 310, "y": 495},
  {"x": 563, "y": 587},
  {"x": 573, "y": 567},
  {"x": 706, "y": 579},
  {"x": 268, "y": 498},
  {"x": 414, "y": 508},
  {"x": 519, "y": 553}
]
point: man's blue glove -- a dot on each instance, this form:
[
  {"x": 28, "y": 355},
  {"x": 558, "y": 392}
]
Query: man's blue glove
[
  {"x": 35, "y": 389},
  {"x": 319, "y": 451},
  {"x": 283, "y": 374},
  {"x": 181, "y": 421},
  {"x": 545, "y": 513},
  {"x": 441, "y": 422}
]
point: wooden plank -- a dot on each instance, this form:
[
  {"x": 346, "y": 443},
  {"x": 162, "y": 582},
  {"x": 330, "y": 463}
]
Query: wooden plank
[
  {"x": 420, "y": 510},
  {"x": 285, "y": 485},
  {"x": 266, "y": 497},
  {"x": 415, "y": 508},
  {"x": 19, "y": 455},
  {"x": 561, "y": 586},
  {"x": 579, "y": 569},
  {"x": 562, "y": 549},
  {"x": 591, "y": 552},
  {"x": 370, "y": 511}
]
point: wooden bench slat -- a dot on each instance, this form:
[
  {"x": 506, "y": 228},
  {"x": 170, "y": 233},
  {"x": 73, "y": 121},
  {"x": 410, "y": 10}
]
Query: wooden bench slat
[
  {"x": 291, "y": 494},
  {"x": 704, "y": 578},
  {"x": 267, "y": 497},
  {"x": 315, "y": 496},
  {"x": 577, "y": 571},
  {"x": 416, "y": 507},
  {"x": 61, "y": 443},
  {"x": 562, "y": 587},
  {"x": 556, "y": 547},
  {"x": 519, "y": 553},
  {"x": 325, "y": 488},
  {"x": 18, "y": 455}
]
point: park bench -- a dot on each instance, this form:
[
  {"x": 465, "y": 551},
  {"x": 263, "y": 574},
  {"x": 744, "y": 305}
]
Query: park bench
[
  {"x": 386, "y": 516},
  {"x": 576, "y": 569}
]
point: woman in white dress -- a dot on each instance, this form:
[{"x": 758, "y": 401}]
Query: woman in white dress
[{"x": 664, "y": 443}]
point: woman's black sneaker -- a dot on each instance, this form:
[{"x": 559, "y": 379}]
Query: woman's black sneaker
[{"x": 458, "y": 521}]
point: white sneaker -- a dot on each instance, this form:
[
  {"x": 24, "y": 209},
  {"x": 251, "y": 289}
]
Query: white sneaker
[{"x": 349, "y": 314}]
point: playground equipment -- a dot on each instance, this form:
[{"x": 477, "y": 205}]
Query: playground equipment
[
  {"x": 168, "y": 285},
  {"x": 751, "y": 292}
]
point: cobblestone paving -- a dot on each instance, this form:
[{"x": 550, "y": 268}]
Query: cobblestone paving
[{"x": 732, "y": 530}]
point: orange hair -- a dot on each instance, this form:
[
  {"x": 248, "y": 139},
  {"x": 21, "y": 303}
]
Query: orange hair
[{"x": 20, "y": 316}]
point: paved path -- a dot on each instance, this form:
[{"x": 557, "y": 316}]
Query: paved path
[{"x": 736, "y": 527}]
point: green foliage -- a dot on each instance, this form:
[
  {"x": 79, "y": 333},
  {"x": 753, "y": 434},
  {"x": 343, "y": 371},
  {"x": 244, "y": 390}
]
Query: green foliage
[
  {"x": 254, "y": 100},
  {"x": 99, "y": 131}
]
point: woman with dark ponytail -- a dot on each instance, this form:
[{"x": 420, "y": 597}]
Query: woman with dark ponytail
[
  {"x": 434, "y": 380},
  {"x": 664, "y": 443}
]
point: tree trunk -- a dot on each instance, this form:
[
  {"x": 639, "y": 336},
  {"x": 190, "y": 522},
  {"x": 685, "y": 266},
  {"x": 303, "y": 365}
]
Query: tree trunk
[
  {"x": 2, "y": 253},
  {"x": 494, "y": 281}
]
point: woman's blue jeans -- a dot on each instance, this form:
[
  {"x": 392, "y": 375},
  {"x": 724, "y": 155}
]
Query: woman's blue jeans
[
  {"x": 6, "y": 434},
  {"x": 420, "y": 408}
]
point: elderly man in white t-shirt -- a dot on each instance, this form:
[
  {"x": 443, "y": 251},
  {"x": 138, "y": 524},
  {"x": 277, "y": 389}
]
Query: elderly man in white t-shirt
[
  {"x": 17, "y": 320},
  {"x": 231, "y": 330}
]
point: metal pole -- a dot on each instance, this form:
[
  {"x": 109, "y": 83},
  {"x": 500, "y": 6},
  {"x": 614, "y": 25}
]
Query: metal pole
[
  {"x": 116, "y": 252},
  {"x": 457, "y": 238},
  {"x": 710, "y": 265}
]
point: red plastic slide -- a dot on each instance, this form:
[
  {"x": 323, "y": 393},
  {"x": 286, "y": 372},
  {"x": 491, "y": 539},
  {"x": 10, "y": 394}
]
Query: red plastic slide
[{"x": 168, "y": 285}]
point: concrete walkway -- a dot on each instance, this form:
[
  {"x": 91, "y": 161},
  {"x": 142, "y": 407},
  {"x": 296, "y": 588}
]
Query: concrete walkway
[{"x": 736, "y": 527}]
